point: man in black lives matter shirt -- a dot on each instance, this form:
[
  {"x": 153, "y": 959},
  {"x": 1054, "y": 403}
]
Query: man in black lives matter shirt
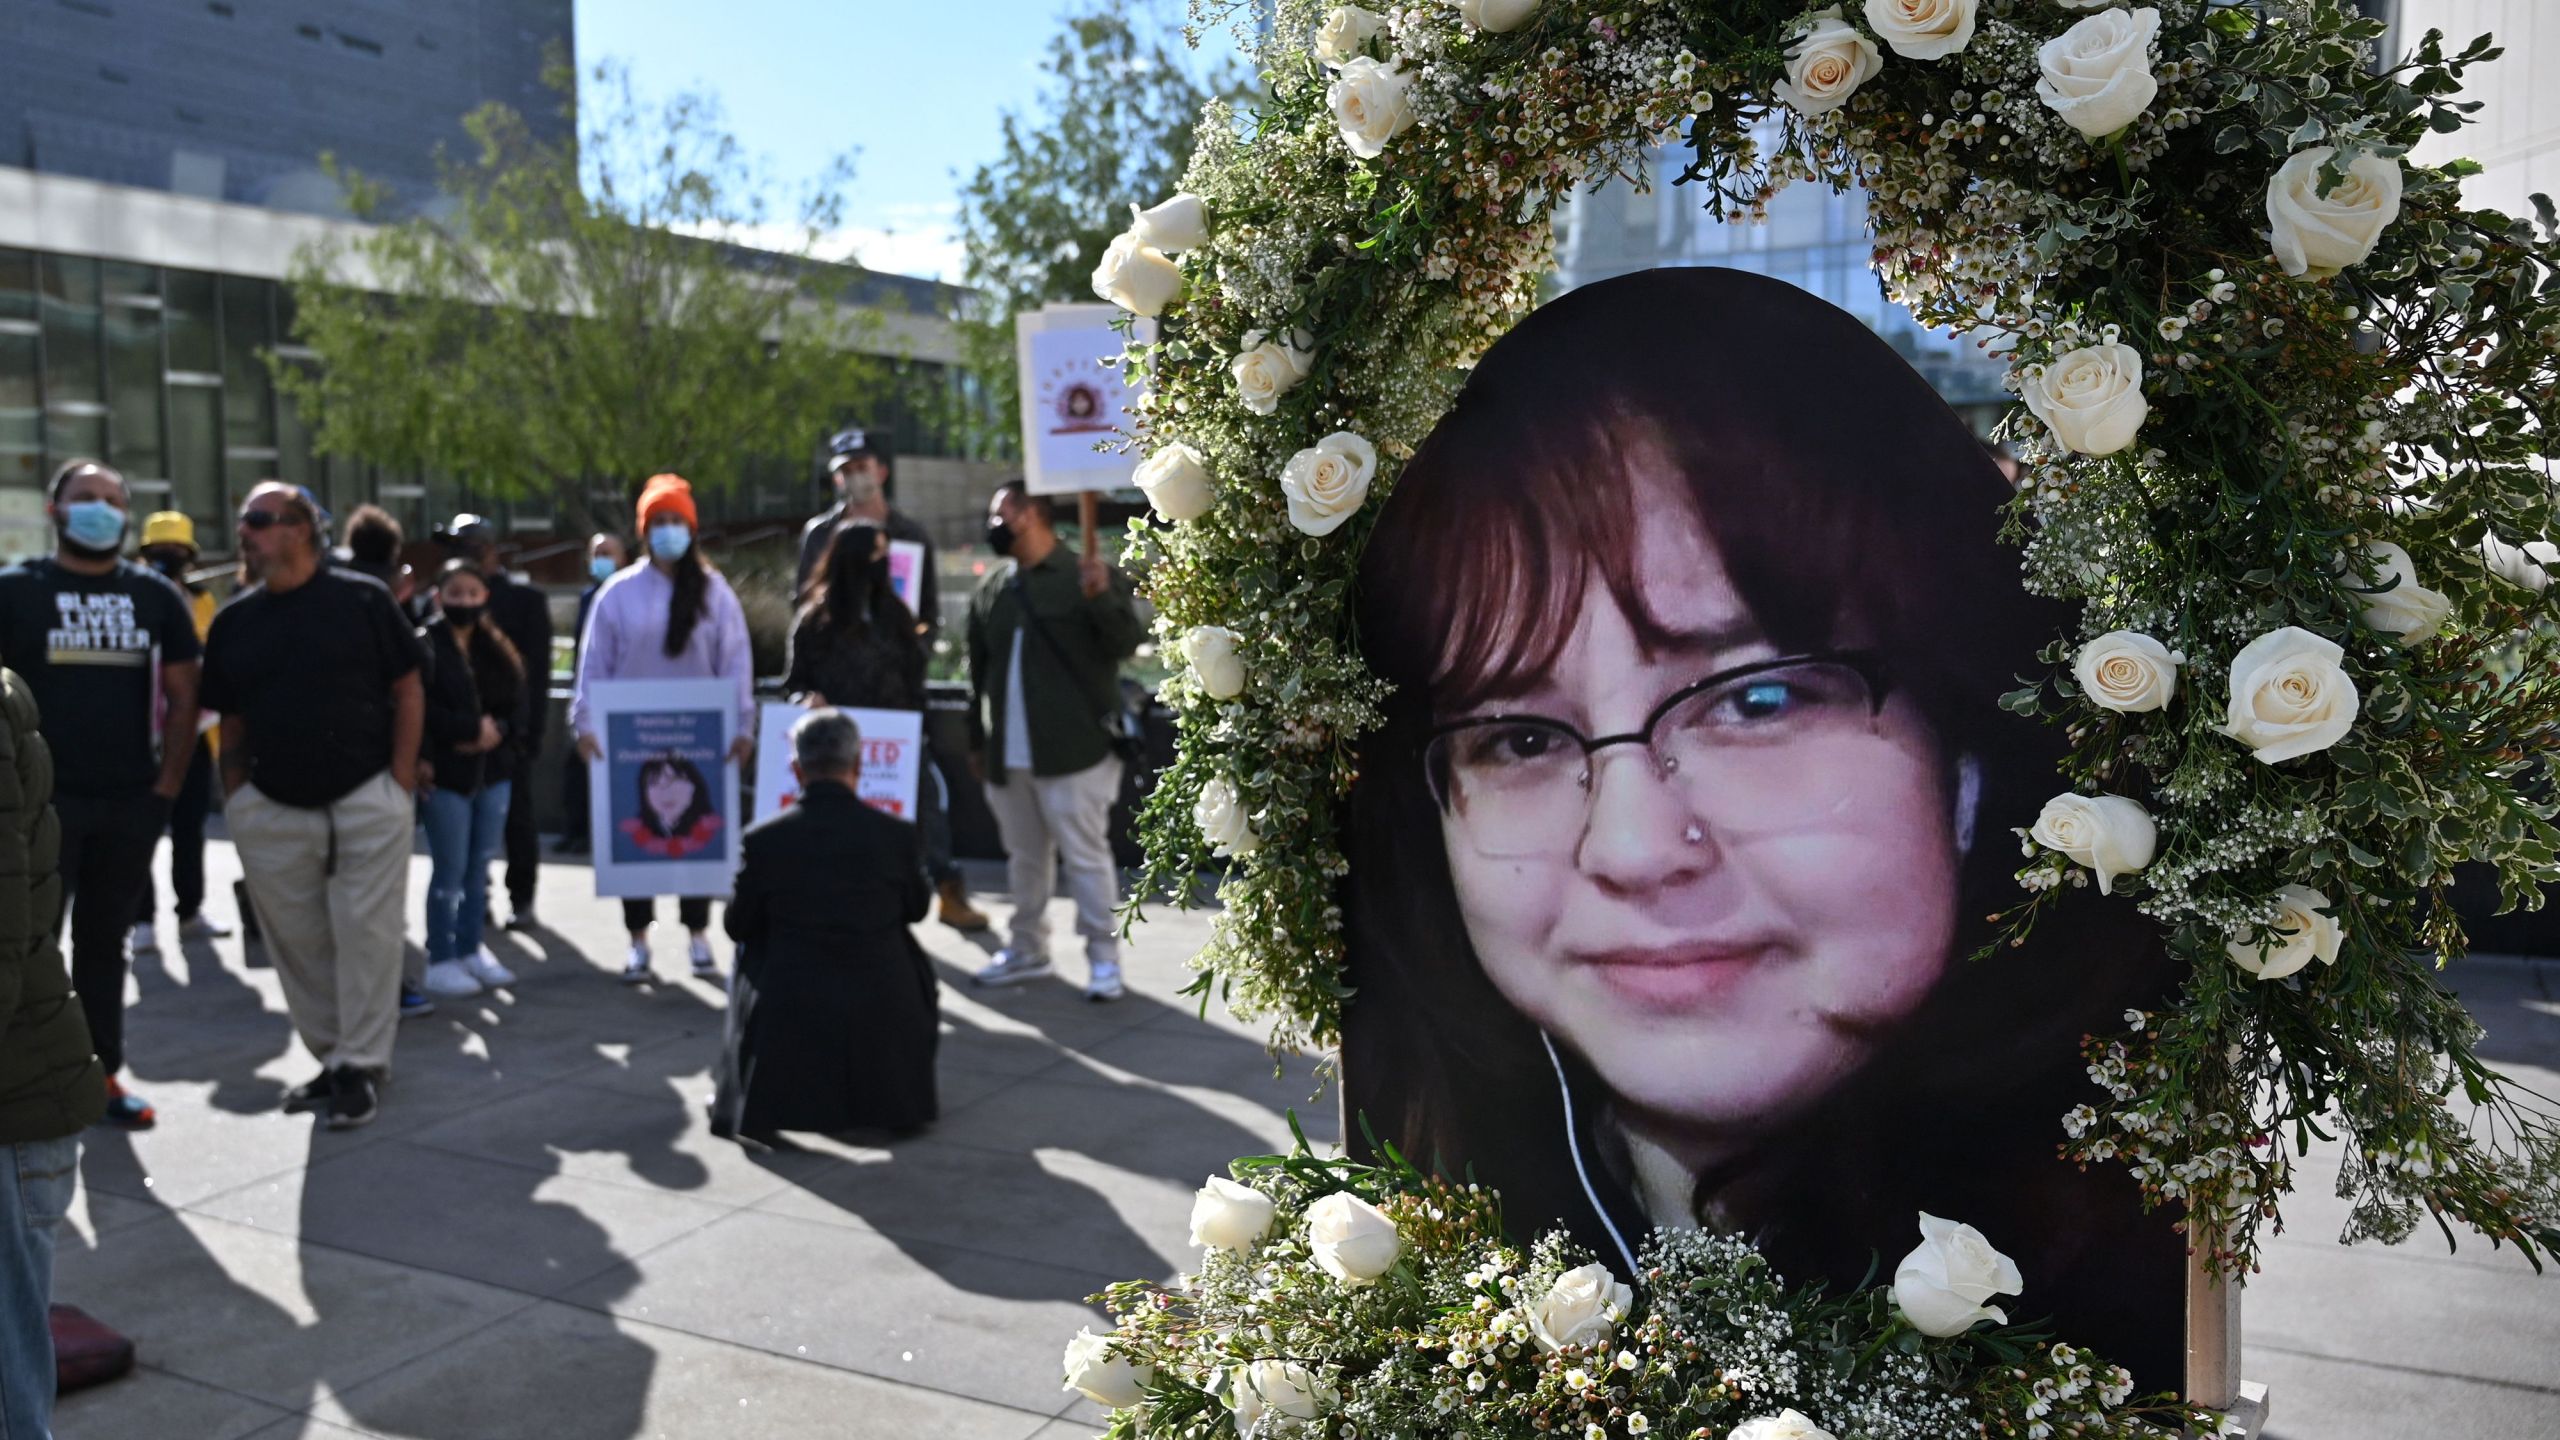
[
  {"x": 315, "y": 673},
  {"x": 109, "y": 650}
]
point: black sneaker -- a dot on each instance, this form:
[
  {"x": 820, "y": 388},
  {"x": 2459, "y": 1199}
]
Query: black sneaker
[
  {"x": 520, "y": 919},
  {"x": 312, "y": 1094},
  {"x": 358, "y": 1098}
]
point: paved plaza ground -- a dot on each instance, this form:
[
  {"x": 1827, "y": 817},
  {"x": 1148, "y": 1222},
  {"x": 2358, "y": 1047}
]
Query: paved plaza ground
[{"x": 540, "y": 1238}]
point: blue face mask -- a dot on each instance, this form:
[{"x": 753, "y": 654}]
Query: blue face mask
[
  {"x": 669, "y": 542},
  {"x": 93, "y": 524},
  {"x": 601, "y": 568}
]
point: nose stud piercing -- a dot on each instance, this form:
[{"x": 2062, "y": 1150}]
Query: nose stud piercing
[{"x": 1696, "y": 835}]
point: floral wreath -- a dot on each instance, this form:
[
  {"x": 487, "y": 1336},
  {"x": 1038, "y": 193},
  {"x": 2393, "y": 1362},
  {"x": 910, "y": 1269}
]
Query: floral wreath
[{"x": 2289, "y": 408}]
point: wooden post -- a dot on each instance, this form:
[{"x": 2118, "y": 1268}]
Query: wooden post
[
  {"x": 2213, "y": 1348},
  {"x": 1089, "y": 520}
]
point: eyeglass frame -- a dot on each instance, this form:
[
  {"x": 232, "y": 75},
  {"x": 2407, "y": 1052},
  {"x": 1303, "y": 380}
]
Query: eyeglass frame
[{"x": 1867, "y": 664}]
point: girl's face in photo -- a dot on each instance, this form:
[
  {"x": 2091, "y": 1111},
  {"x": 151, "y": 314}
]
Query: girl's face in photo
[
  {"x": 1722, "y": 941},
  {"x": 669, "y": 794}
]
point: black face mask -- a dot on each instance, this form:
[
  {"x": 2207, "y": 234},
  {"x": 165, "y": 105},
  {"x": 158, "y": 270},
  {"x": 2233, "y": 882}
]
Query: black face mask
[
  {"x": 463, "y": 616},
  {"x": 173, "y": 566},
  {"x": 999, "y": 537}
]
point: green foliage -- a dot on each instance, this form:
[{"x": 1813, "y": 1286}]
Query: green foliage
[
  {"x": 1112, "y": 124},
  {"x": 564, "y": 323}
]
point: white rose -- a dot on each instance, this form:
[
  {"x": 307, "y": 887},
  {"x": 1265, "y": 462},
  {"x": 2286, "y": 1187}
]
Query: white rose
[
  {"x": 1828, "y": 65},
  {"x": 1583, "y": 1307},
  {"x": 2318, "y": 235},
  {"x": 2408, "y": 609},
  {"x": 2289, "y": 696},
  {"x": 1211, "y": 649},
  {"x": 1922, "y": 29},
  {"x": 2097, "y": 74},
  {"x": 1226, "y": 1215},
  {"x": 1346, "y": 33},
  {"x": 1101, "y": 1375},
  {"x": 1136, "y": 276},
  {"x": 1353, "y": 1240},
  {"x": 1266, "y": 369},
  {"x": 2090, "y": 398},
  {"x": 1280, "y": 1390},
  {"x": 1496, "y": 16},
  {"x": 2523, "y": 565},
  {"x": 1785, "y": 1425},
  {"x": 1327, "y": 481},
  {"x": 2108, "y": 833},
  {"x": 2301, "y": 934},
  {"x": 1181, "y": 223},
  {"x": 1370, "y": 105},
  {"x": 1176, "y": 482},
  {"x": 1221, "y": 816},
  {"x": 2127, "y": 672},
  {"x": 1940, "y": 1287}
]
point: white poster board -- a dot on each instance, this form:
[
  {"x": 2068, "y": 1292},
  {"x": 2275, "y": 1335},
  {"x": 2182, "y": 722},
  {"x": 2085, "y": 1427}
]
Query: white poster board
[
  {"x": 1072, "y": 401},
  {"x": 662, "y": 800},
  {"x": 892, "y": 759},
  {"x": 906, "y": 576}
]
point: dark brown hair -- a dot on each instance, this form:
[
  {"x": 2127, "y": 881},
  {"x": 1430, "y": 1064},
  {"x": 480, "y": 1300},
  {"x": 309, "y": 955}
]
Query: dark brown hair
[
  {"x": 1849, "y": 505},
  {"x": 692, "y": 581}
]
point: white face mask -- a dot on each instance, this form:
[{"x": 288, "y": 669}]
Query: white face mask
[{"x": 669, "y": 542}]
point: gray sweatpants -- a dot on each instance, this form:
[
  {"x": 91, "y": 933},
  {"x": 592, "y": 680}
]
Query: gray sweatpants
[
  {"x": 1044, "y": 820},
  {"x": 331, "y": 885}
]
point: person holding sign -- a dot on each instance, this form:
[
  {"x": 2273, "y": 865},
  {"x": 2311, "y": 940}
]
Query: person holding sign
[
  {"x": 858, "y": 467},
  {"x": 833, "y": 1016},
  {"x": 673, "y": 618}
]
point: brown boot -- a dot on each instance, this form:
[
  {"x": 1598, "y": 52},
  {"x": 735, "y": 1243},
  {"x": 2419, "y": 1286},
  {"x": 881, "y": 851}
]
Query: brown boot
[{"x": 957, "y": 912}]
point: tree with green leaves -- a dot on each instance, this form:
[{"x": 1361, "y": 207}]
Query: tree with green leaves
[
  {"x": 1111, "y": 126},
  {"x": 574, "y": 316}
]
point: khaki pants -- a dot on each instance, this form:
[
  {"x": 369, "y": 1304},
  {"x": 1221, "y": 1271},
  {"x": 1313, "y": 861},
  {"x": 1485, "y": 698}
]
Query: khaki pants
[
  {"x": 331, "y": 885},
  {"x": 1042, "y": 819}
]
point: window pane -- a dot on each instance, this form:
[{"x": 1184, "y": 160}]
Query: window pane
[
  {"x": 248, "y": 420},
  {"x": 21, "y": 422},
  {"x": 71, "y": 333},
  {"x": 191, "y": 332},
  {"x": 195, "y": 455},
  {"x": 293, "y": 445},
  {"x": 133, "y": 371},
  {"x": 17, "y": 285}
]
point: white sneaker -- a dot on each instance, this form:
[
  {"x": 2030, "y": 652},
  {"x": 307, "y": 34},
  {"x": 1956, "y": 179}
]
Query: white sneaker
[
  {"x": 144, "y": 941},
  {"x": 635, "y": 971},
  {"x": 487, "y": 969},
  {"x": 1009, "y": 968},
  {"x": 451, "y": 979},
  {"x": 197, "y": 927},
  {"x": 1105, "y": 985},
  {"x": 705, "y": 964}
]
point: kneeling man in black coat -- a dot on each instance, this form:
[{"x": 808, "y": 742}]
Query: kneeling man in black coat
[{"x": 833, "y": 1014}]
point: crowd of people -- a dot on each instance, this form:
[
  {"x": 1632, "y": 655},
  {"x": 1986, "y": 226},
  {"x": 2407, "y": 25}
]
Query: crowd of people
[{"x": 345, "y": 705}]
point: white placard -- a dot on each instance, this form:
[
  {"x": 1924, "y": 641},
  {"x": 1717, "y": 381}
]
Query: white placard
[
  {"x": 892, "y": 759},
  {"x": 1072, "y": 401},
  {"x": 662, "y": 800}
]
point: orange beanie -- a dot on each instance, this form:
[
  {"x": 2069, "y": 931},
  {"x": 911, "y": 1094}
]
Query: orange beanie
[{"x": 667, "y": 495}]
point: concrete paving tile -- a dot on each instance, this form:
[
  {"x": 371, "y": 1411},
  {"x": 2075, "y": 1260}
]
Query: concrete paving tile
[
  {"x": 2408, "y": 1310},
  {"x": 1171, "y": 1135},
  {"x": 257, "y": 1314},
  {"x": 199, "y": 1150},
  {"x": 96, "y": 1212},
  {"x": 1031, "y": 1207},
  {"x": 2315, "y": 1399},
  {"x": 151, "y": 1404},
  {"x": 304, "y": 1427},
  {"x": 661, "y": 1142},
  {"x": 557, "y": 1372},
  {"x": 952, "y": 1320},
  {"x": 457, "y": 1215},
  {"x": 1181, "y": 1051}
]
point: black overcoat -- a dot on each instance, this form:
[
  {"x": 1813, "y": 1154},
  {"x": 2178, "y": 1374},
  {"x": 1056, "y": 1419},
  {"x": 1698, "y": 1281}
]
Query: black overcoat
[{"x": 834, "y": 1016}]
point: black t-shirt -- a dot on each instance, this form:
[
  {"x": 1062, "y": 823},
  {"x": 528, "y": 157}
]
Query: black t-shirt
[
  {"x": 310, "y": 671},
  {"x": 91, "y": 648}
]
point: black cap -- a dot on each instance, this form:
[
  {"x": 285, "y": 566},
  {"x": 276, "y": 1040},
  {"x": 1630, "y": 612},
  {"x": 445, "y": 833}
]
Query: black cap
[
  {"x": 466, "y": 529},
  {"x": 854, "y": 442}
]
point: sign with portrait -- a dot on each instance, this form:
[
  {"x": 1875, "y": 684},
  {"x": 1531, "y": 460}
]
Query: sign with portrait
[
  {"x": 1671, "y": 870},
  {"x": 892, "y": 759},
  {"x": 1074, "y": 399},
  {"x": 906, "y": 576},
  {"x": 663, "y": 798}
]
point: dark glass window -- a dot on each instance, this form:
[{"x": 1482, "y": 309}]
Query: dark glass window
[
  {"x": 74, "y": 368},
  {"x": 192, "y": 337},
  {"x": 195, "y": 455},
  {"x": 248, "y": 418},
  {"x": 133, "y": 369}
]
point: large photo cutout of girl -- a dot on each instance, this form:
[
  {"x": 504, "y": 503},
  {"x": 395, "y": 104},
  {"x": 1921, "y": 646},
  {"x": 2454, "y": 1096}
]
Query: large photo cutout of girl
[{"x": 1695, "y": 797}]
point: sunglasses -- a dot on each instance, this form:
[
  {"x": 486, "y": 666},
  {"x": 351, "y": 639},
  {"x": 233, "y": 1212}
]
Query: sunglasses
[{"x": 267, "y": 519}]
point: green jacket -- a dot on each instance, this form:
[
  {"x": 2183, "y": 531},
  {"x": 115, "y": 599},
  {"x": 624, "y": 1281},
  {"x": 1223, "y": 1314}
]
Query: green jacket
[
  {"x": 1073, "y": 684},
  {"x": 50, "y": 1083}
]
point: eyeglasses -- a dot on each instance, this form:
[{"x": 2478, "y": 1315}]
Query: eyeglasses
[{"x": 1758, "y": 748}]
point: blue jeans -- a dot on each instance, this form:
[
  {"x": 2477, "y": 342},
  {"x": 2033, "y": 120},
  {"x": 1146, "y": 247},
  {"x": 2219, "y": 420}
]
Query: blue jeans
[
  {"x": 36, "y": 1179},
  {"x": 463, "y": 831}
]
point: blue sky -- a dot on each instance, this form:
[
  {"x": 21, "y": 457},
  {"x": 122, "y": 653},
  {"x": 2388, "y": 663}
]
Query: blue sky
[{"x": 915, "y": 88}]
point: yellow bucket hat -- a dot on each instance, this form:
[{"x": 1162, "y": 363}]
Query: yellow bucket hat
[{"x": 168, "y": 527}]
